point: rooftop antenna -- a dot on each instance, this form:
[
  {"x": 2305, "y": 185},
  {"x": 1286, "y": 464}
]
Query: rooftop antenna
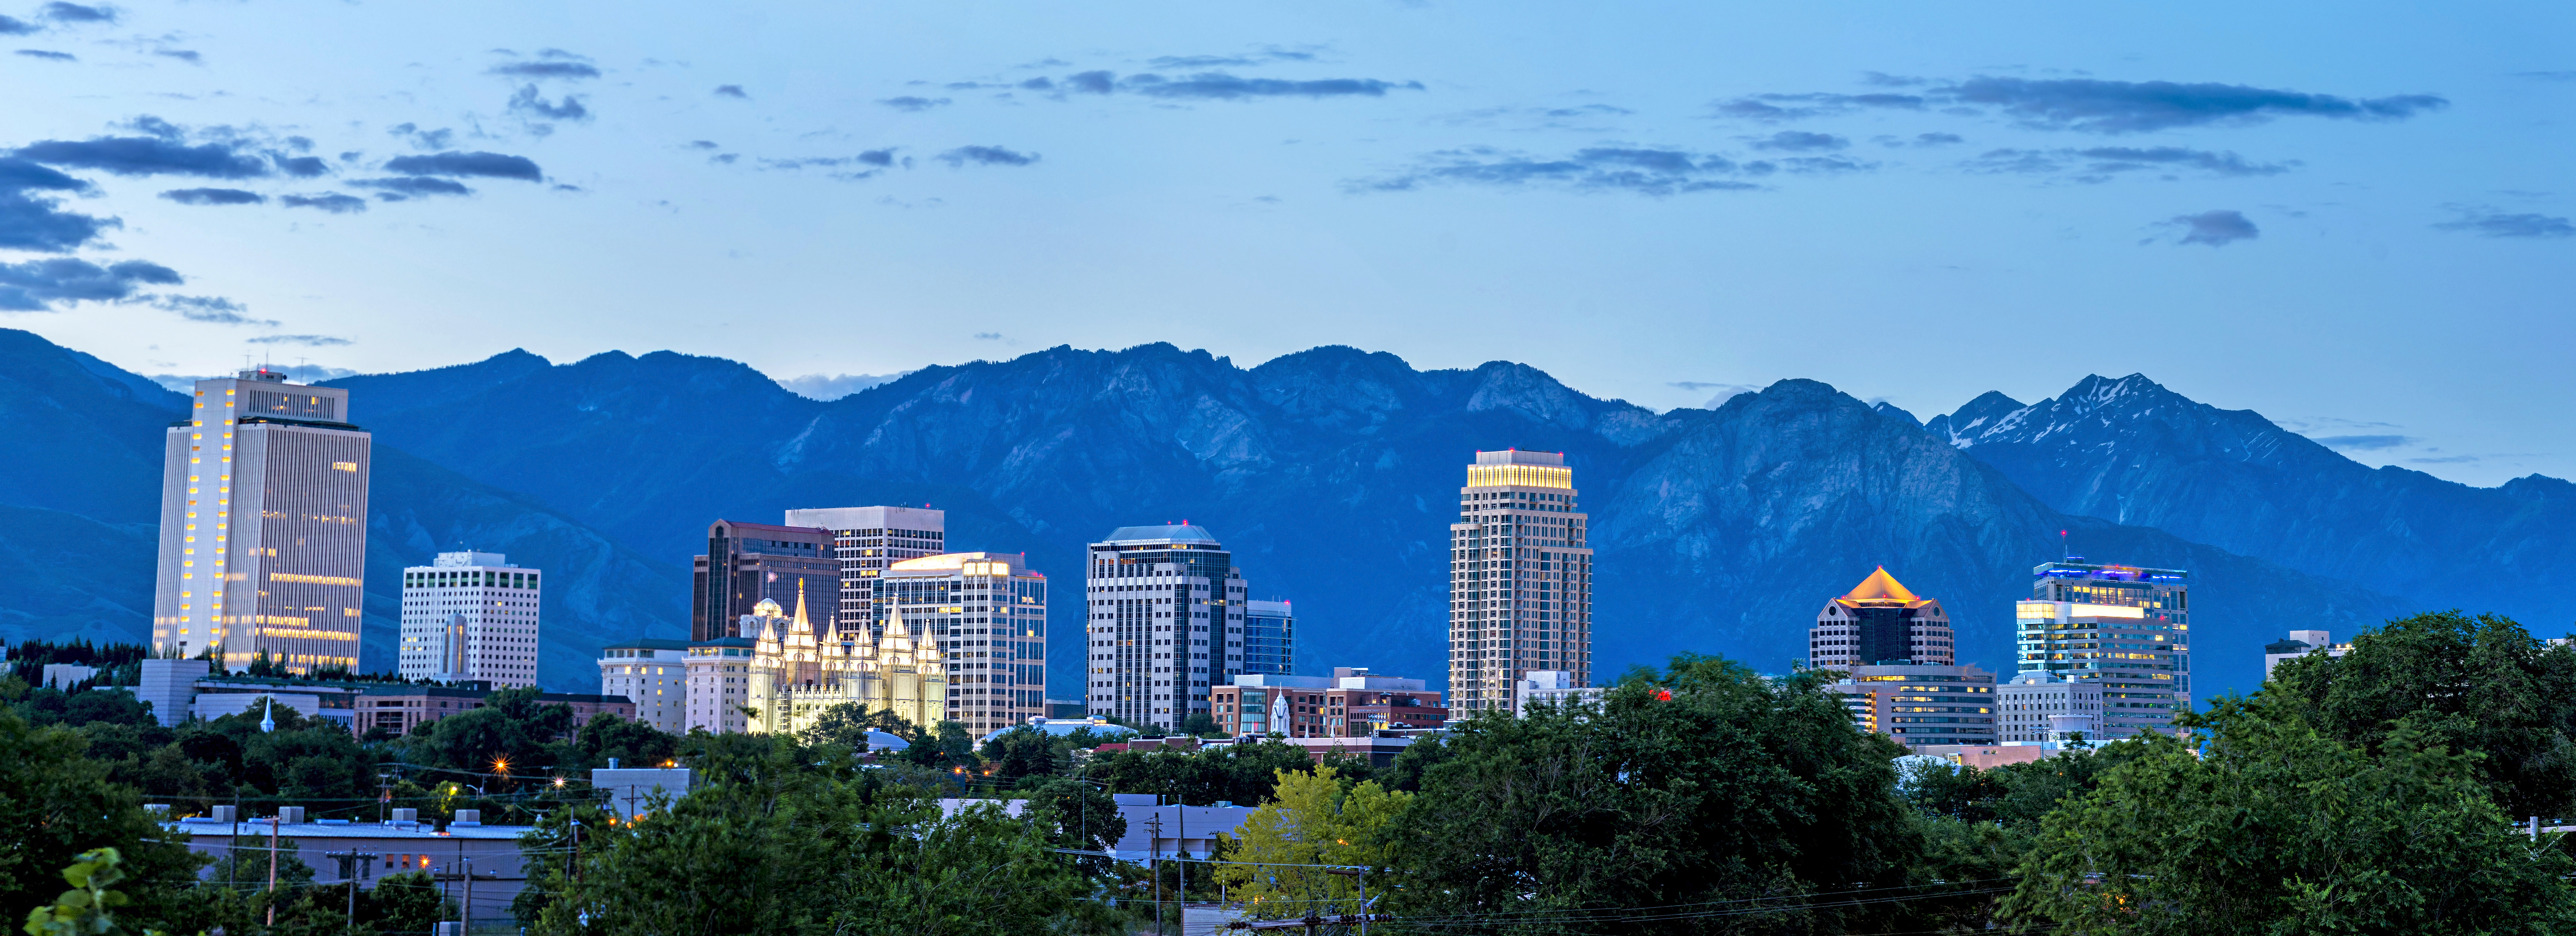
[{"x": 2063, "y": 550}]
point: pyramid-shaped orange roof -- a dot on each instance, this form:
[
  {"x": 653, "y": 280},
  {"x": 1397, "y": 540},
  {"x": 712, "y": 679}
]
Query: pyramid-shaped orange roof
[{"x": 1882, "y": 589}]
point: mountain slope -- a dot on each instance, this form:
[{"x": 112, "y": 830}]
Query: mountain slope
[
  {"x": 83, "y": 495},
  {"x": 2134, "y": 452},
  {"x": 1332, "y": 474}
]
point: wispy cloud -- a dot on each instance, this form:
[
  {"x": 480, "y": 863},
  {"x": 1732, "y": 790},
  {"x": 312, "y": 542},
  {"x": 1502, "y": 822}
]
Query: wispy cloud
[
  {"x": 42, "y": 285},
  {"x": 2217, "y": 228},
  {"x": 2089, "y": 105},
  {"x": 1647, "y": 171},
  {"x": 488, "y": 165},
  {"x": 2489, "y": 222},
  {"x": 214, "y": 196},
  {"x": 2365, "y": 443},
  {"x": 986, "y": 156},
  {"x": 212, "y": 310},
  {"x": 913, "y": 104},
  {"x": 310, "y": 341},
  {"x": 332, "y": 202}
]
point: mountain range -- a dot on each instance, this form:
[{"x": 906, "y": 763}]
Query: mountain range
[{"x": 1332, "y": 474}]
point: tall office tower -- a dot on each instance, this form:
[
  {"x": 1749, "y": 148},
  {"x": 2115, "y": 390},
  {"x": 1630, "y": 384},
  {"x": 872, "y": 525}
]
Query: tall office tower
[
  {"x": 1269, "y": 638},
  {"x": 263, "y": 526},
  {"x": 1881, "y": 623},
  {"x": 1520, "y": 579},
  {"x": 2121, "y": 631},
  {"x": 747, "y": 563},
  {"x": 986, "y": 613},
  {"x": 1165, "y": 621},
  {"x": 865, "y": 540},
  {"x": 470, "y": 616}
]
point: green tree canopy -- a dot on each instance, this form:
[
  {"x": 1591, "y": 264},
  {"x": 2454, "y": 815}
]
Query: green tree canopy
[
  {"x": 1312, "y": 820},
  {"x": 1244, "y": 774},
  {"x": 1704, "y": 783},
  {"x": 2467, "y": 683},
  {"x": 56, "y": 804},
  {"x": 2277, "y": 828}
]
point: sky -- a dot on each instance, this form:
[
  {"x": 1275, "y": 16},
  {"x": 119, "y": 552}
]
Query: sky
[{"x": 2353, "y": 219}]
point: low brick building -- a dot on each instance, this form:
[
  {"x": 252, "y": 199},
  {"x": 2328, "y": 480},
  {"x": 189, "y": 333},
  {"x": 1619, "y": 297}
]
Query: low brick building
[{"x": 1351, "y": 703}]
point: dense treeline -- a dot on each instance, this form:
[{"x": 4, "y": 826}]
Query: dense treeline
[{"x": 2377, "y": 792}]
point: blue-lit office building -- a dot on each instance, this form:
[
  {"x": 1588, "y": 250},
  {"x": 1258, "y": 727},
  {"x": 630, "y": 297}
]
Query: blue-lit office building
[
  {"x": 2121, "y": 634},
  {"x": 1269, "y": 637}
]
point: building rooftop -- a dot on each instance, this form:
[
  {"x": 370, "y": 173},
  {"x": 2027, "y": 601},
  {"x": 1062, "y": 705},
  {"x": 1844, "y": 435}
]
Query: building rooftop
[
  {"x": 649, "y": 643},
  {"x": 1880, "y": 590},
  {"x": 1176, "y": 533}
]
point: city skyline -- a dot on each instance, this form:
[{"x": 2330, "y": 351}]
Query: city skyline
[{"x": 1450, "y": 184}]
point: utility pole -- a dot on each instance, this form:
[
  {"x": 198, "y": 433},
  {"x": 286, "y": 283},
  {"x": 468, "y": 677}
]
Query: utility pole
[
  {"x": 1156, "y": 866},
  {"x": 272, "y": 870},
  {"x": 349, "y": 862},
  {"x": 465, "y": 909}
]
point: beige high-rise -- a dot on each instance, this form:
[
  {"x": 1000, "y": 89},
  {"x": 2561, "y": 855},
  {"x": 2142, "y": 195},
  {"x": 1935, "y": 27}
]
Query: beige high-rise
[
  {"x": 1520, "y": 579},
  {"x": 263, "y": 526}
]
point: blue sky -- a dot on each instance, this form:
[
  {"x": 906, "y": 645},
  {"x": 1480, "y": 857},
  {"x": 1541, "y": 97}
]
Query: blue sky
[{"x": 2352, "y": 218}]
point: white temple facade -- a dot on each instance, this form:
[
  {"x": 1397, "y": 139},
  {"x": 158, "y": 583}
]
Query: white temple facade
[{"x": 797, "y": 673}]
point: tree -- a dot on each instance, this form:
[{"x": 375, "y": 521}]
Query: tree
[
  {"x": 56, "y": 805},
  {"x": 1312, "y": 821},
  {"x": 773, "y": 841},
  {"x": 608, "y": 737},
  {"x": 948, "y": 747},
  {"x": 409, "y": 902},
  {"x": 2275, "y": 827},
  {"x": 1200, "y": 724},
  {"x": 2478, "y": 684},
  {"x": 1704, "y": 784},
  {"x": 1237, "y": 773},
  {"x": 1024, "y": 751},
  {"x": 847, "y": 724}
]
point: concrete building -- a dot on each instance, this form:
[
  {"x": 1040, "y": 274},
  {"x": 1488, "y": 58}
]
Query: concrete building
[
  {"x": 865, "y": 541},
  {"x": 2124, "y": 630},
  {"x": 478, "y": 867},
  {"x": 2300, "y": 643},
  {"x": 263, "y": 546},
  {"x": 1551, "y": 686},
  {"x": 654, "y": 674},
  {"x": 1269, "y": 638},
  {"x": 1164, "y": 621},
  {"x": 986, "y": 614},
  {"x": 470, "y": 616},
  {"x": 1920, "y": 704},
  {"x": 720, "y": 683},
  {"x": 2039, "y": 708},
  {"x": 748, "y": 563},
  {"x": 1520, "y": 579},
  {"x": 1258, "y": 704},
  {"x": 1360, "y": 703},
  {"x": 1880, "y": 622},
  {"x": 179, "y": 690},
  {"x": 630, "y": 790},
  {"x": 402, "y": 709}
]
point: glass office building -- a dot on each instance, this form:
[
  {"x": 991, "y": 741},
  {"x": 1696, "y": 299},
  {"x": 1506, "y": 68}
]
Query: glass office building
[{"x": 2124, "y": 631}]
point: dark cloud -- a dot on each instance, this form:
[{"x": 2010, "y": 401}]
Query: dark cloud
[
  {"x": 1938, "y": 139},
  {"x": 1039, "y": 83},
  {"x": 36, "y": 222},
  {"x": 160, "y": 154},
  {"x": 1220, "y": 86},
  {"x": 2100, "y": 163},
  {"x": 75, "y": 13},
  {"x": 2364, "y": 443},
  {"x": 36, "y": 285},
  {"x": 986, "y": 156},
  {"x": 2215, "y": 228},
  {"x": 2135, "y": 106},
  {"x": 2090, "y": 104},
  {"x": 185, "y": 55},
  {"x": 2488, "y": 222},
  {"x": 332, "y": 202},
  {"x": 214, "y": 196},
  {"x": 422, "y": 139},
  {"x": 731, "y": 91},
  {"x": 13, "y": 26},
  {"x": 878, "y": 157},
  {"x": 213, "y": 310},
  {"x": 402, "y": 187},
  {"x": 1092, "y": 82},
  {"x": 301, "y": 167},
  {"x": 1655, "y": 172},
  {"x": 310, "y": 341},
  {"x": 703, "y": 145},
  {"x": 1797, "y": 106},
  {"x": 49, "y": 55},
  {"x": 912, "y": 104},
  {"x": 1800, "y": 141},
  {"x": 542, "y": 70},
  {"x": 528, "y": 102},
  {"x": 2124, "y": 158},
  {"x": 492, "y": 165}
]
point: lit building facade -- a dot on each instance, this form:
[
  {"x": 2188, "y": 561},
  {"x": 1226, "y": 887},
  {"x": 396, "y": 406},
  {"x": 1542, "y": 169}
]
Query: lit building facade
[
  {"x": 798, "y": 671},
  {"x": 654, "y": 674},
  {"x": 1520, "y": 579},
  {"x": 748, "y": 563},
  {"x": 865, "y": 541},
  {"x": 470, "y": 616},
  {"x": 720, "y": 684},
  {"x": 263, "y": 547},
  {"x": 1881, "y": 622},
  {"x": 2301, "y": 643},
  {"x": 1269, "y": 638},
  {"x": 1164, "y": 621},
  {"x": 2121, "y": 631},
  {"x": 986, "y": 615},
  {"x": 2038, "y": 708},
  {"x": 1920, "y": 704}
]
